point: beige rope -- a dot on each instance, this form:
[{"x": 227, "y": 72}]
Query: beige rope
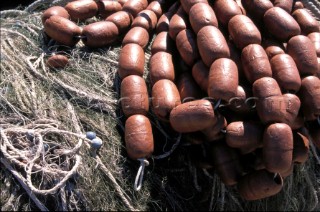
[
  {"x": 102, "y": 166},
  {"x": 59, "y": 185},
  {"x": 22, "y": 181}
]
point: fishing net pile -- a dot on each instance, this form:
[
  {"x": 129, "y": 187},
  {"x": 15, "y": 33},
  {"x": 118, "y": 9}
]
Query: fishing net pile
[{"x": 47, "y": 162}]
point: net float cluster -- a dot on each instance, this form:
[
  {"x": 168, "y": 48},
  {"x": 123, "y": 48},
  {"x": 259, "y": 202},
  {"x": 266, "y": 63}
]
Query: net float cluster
[{"x": 207, "y": 61}]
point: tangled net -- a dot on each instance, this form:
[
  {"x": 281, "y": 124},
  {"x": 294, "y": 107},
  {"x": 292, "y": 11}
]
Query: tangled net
[{"x": 48, "y": 164}]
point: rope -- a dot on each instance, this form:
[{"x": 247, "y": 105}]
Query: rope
[
  {"x": 36, "y": 4},
  {"x": 100, "y": 164},
  {"x": 222, "y": 198},
  {"x": 59, "y": 185},
  {"x": 166, "y": 154},
  {"x": 12, "y": 159},
  {"x": 60, "y": 2},
  {"x": 313, "y": 6},
  {"x": 6, "y": 13},
  {"x": 140, "y": 173},
  {"x": 99, "y": 102},
  {"x": 29, "y": 166},
  {"x": 195, "y": 179},
  {"x": 22, "y": 181},
  {"x": 116, "y": 185},
  {"x": 63, "y": 199},
  {"x": 22, "y": 36},
  {"x": 217, "y": 104},
  {"x": 206, "y": 173}
]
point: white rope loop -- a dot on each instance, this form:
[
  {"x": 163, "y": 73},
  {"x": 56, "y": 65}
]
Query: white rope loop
[{"x": 139, "y": 177}]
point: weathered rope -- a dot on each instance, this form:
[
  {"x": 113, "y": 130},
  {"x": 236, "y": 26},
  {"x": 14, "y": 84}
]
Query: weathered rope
[
  {"x": 313, "y": 6},
  {"x": 23, "y": 183},
  {"x": 100, "y": 164},
  {"x": 167, "y": 154}
]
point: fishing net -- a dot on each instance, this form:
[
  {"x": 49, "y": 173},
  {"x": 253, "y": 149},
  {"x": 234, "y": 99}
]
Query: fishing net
[{"x": 47, "y": 162}]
